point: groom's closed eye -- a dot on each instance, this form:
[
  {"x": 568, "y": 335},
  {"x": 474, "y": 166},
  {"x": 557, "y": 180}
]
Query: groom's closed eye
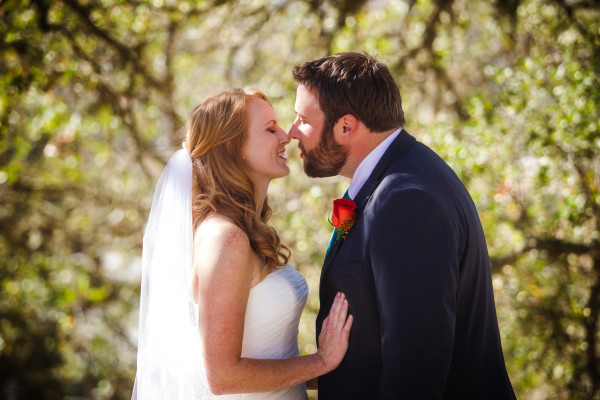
[{"x": 300, "y": 118}]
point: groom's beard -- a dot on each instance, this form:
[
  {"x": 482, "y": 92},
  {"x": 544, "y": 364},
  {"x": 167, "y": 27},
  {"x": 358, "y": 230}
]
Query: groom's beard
[{"x": 327, "y": 159}]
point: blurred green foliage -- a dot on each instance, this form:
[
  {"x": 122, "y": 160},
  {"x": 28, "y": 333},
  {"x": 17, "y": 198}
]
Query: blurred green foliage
[{"x": 94, "y": 97}]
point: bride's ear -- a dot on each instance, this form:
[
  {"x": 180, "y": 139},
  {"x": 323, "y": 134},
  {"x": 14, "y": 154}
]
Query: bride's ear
[
  {"x": 231, "y": 150},
  {"x": 345, "y": 128}
]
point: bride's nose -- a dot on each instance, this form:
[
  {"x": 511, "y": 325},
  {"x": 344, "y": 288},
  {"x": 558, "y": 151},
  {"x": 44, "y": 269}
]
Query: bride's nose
[{"x": 283, "y": 136}]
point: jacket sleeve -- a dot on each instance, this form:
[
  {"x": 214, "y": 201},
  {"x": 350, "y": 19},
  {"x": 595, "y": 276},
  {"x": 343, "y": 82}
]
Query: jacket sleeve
[{"x": 414, "y": 257}]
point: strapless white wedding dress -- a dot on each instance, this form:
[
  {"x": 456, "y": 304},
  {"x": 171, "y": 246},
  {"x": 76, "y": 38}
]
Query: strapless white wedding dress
[{"x": 271, "y": 327}]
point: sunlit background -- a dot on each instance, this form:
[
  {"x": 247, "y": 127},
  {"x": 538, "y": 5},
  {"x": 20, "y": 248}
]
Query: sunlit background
[{"x": 93, "y": 100}]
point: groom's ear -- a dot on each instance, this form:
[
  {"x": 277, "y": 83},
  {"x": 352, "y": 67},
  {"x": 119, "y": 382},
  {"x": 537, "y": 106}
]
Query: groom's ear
[{"x": 345, "y": 128}]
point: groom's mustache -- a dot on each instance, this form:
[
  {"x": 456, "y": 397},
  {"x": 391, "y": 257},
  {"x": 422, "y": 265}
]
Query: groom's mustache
[{"x": 301, "y": 147}]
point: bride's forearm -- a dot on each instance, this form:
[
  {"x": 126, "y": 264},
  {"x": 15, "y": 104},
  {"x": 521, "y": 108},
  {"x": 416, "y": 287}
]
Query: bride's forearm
[
  {"x": 244, "y": 375},
  {"x": 253, "y": 375}
]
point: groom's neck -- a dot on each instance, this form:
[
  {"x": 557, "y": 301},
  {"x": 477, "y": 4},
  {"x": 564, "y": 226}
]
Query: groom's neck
[{"x": 364, "y": 142}]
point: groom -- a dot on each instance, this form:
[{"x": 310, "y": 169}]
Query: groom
[{"x": 414, "y": 263}]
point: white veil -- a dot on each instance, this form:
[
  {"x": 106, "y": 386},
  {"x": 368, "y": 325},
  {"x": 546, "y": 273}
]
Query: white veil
[{"x": 169, "y": 358}]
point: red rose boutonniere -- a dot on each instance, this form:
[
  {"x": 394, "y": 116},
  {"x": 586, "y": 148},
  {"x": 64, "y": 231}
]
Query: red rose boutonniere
[{"x": 343, "y": 217}]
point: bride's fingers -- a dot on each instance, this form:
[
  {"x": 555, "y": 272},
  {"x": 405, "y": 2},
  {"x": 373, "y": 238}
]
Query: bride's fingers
[
  {"x": 336, "y": 320},
  {"x": 341, "y": 318},
  {"x": 348, "y": 325},
  {"x": 325, "y": 324},
  {"x": 336, "y": 309}
]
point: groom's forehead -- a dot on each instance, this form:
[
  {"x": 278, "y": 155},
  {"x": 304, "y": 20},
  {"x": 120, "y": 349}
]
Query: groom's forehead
[{"x": 306, "y": 98}]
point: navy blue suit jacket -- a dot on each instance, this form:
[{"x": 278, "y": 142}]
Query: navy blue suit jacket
[{"x": 416, "y": 272}]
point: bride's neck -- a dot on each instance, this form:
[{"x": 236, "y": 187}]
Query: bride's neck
[{"x": 261, "y": 195}]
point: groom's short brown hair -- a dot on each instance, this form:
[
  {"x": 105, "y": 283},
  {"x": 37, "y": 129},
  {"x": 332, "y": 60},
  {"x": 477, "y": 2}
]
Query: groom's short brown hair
[{"x": 357, "y": 84}]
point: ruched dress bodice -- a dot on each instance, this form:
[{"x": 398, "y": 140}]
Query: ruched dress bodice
[{"x": 271, "y": 326}]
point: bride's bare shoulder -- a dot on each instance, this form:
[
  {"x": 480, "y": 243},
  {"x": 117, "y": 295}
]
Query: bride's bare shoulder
[
  {"x": 218, "y": 232},
  {"x": 222, "y": 258}
]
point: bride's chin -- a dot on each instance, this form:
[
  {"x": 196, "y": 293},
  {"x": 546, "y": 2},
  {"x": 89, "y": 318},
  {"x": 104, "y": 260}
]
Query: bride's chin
[{"x": 285, "y": 173}]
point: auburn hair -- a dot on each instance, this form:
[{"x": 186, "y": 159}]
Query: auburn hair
[{"x": 217, "y": 129}]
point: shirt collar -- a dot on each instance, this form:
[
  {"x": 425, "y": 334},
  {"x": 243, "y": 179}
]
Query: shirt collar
[{"x": 368, "y": 164}]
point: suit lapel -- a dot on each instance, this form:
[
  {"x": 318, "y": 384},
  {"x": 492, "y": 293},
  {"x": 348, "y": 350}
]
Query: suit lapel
[
  {"x": 398, "y": 146},
  {"x": 330, "y": 254}
]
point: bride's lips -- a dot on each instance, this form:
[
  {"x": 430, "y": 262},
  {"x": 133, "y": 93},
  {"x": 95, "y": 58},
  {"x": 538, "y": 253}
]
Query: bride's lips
[{"x": 281, "y": 154}]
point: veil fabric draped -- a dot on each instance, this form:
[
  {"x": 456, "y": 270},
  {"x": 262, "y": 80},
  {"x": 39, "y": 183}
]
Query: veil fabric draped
[{"x": 169, "y": 362}]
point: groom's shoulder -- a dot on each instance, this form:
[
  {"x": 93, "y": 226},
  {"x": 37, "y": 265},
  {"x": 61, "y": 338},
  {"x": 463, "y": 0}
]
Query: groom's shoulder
[
  {"x": 417, "y": 162},
  {"x": 415, "y": 173}
]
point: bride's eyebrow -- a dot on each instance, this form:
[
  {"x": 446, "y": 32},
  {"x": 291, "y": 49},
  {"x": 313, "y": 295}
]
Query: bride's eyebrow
[{"x": 271, "y": 122}]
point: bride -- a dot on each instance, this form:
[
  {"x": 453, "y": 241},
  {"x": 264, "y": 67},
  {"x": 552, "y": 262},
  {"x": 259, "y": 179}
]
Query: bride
[{"x": 219, "y": 305}]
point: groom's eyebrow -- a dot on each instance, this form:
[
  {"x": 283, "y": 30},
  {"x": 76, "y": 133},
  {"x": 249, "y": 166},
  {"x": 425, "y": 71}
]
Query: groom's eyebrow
[{"x": 300, "y": 115}]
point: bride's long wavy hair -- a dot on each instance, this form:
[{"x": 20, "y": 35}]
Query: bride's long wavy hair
[{"x": 216, "y": 132}]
